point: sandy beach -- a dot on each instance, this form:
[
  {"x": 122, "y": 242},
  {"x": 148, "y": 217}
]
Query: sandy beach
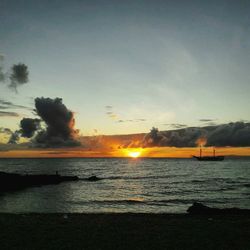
[{"x": 124, "y": 231}]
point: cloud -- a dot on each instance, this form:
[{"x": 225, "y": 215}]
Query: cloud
[
  {"x": 60, "y": 122},
  {"x": 108, "y": 107},
  {"x": 8, "y": 114},
  {"x": 29, "y": 126},
  {"x": 19, "y": 76},
  {"x": 235, "y": 134},
  {"x": 232, "y": 134},
  {"x": 14, "y": 137},
  {"x": 207, "y": 120},
  {"x": 135, "y": 120},
  {"x": 116, "y": 117},
  {"x": 5, "y": 131},
  {"x": 176, "y": 125},
  {"x": 59, "y": 125},
  {"x": 2, "y": 74},
  {"x": 9, "y": 105}
]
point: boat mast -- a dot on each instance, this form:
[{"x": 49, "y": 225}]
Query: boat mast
[
  {"x": 200, "y": 152},
  {"x": 214, "y": 152}
]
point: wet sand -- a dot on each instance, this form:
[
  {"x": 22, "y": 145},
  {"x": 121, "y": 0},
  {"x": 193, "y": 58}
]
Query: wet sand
[{"x": 123, "y": 231}]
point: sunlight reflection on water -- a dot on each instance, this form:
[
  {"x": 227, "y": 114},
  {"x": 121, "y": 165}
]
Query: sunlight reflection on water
[{"x": 141, "y": 185}]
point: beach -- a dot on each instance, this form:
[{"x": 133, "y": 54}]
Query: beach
[{"x": 124, "y": 231}]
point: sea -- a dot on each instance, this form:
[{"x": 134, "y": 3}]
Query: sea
[{"x": 141, "y": 185}]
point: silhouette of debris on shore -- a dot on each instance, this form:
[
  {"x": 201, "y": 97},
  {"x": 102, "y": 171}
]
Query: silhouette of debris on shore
[
  {"x": 13, "y": 182},
  {"x": 200, "y": 209}
]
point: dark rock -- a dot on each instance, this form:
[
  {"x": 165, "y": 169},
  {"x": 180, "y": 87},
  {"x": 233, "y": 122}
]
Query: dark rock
[
  {"x": 13, "y": 182},
  {"x": 200, "y": 209}
]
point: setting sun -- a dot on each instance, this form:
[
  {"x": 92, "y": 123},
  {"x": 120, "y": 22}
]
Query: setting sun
[{"x": 134, "y": 154}]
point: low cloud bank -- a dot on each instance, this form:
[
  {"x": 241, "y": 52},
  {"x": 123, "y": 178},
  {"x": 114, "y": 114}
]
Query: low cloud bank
[{"x": 234, "y": 134}]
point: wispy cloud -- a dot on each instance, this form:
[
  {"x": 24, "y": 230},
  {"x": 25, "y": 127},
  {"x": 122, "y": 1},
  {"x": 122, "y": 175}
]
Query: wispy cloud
[
  {"x": 131, "y": 120},
  {"x": 10, "y": 105},
  {"x": 175, "y": 125},
  {"x": 207, "y": 120},
  {"x": 108, "y": 107},
  {"x": 8, "y": 114},
  {"x": 110, "y": 113},
  {"x": 114, "y": 116}
]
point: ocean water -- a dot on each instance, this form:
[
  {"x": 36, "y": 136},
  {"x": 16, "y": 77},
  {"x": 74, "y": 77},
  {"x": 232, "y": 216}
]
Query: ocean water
[{"x": 130, "y": 185}]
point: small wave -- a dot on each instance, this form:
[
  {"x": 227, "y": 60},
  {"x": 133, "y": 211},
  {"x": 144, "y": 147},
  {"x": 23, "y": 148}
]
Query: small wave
[
  {"x": 134, "y": 177},
  {"x": 126, "y": 201}
]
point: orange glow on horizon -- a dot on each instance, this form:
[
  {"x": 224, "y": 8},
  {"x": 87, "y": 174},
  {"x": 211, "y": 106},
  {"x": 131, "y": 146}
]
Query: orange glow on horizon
[
  {"x": 154, "y": 152},
  {"x": 201, "y": 142}
]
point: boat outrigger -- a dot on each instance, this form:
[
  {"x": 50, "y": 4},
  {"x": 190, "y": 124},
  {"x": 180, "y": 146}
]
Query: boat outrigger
[{"x": 209, "y": 158}]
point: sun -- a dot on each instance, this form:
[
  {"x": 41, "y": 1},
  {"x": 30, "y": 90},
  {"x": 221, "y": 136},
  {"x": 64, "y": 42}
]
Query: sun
[{"x": 134, "y": 154}]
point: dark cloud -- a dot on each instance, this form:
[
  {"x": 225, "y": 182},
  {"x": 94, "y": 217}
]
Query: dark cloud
[
  {"x": 59, "y": 122},
  {"x": 59, "y": 125},
  {"x": 176, "y": 125},
  {"x": 19, "y": 76},
  {"x": 14, "y": 137},
  {"x": 8, "y": 114},
  {"x": 207, "y": 120},
  {"x": 29, "y": 126},
  {"x": 232, "y": 134}
]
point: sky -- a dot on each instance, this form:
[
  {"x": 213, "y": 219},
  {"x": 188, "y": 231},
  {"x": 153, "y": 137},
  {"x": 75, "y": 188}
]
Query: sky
[{"x": 124, "y": 67}]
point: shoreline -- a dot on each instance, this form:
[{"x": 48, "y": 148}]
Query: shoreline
[{"x": 124, "y": 231}]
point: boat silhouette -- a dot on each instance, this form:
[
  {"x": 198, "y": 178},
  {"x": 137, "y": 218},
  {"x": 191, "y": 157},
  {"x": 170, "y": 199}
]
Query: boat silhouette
[{"x": 209, "y": 158}]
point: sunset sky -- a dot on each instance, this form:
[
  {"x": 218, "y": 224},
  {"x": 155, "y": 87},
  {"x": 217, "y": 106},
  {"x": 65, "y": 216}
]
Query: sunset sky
[{"x": 123, "y": 67}]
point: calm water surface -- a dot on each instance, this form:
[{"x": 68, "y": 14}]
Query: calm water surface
[{"x": 129, "y": 185}]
